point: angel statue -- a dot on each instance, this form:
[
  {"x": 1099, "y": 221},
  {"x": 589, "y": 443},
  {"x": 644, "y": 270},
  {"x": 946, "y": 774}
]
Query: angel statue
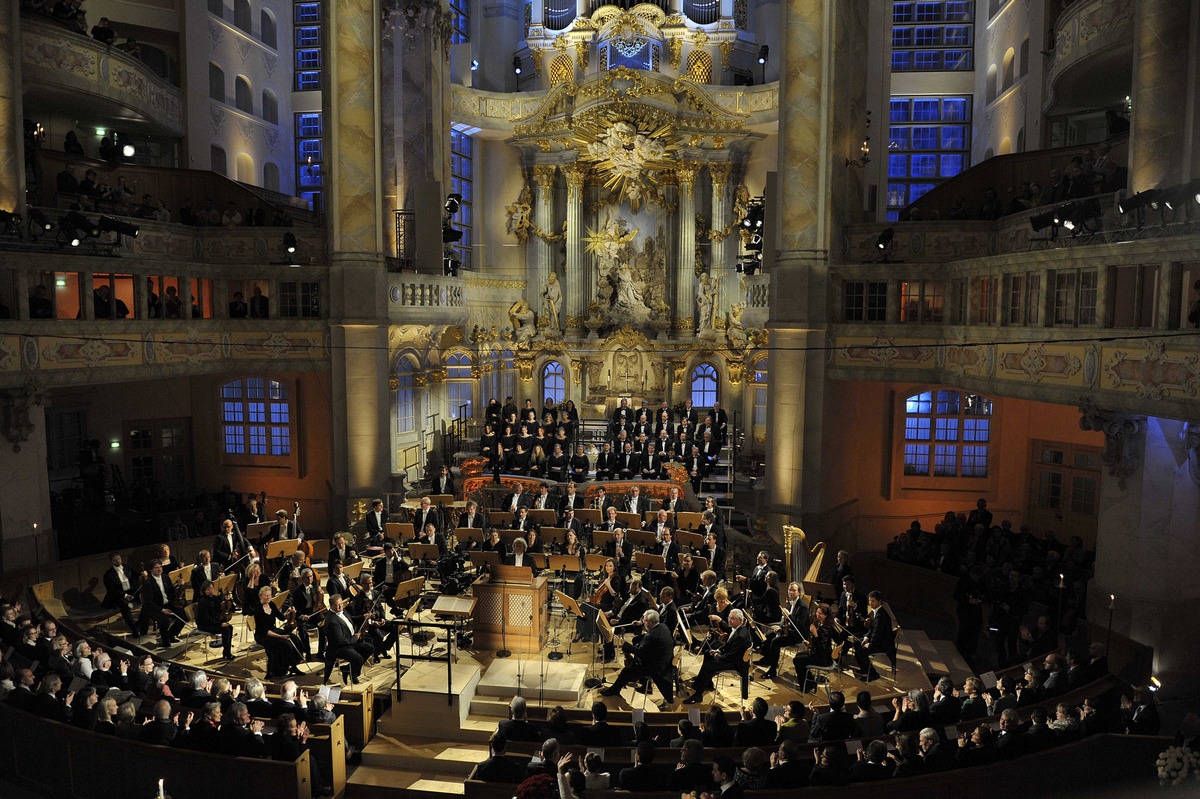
[
  {"x": 518, "y": 214},
  {"x": 706, "y": 297},
  {"x": 735, "y": 331},
  {"x": 523, "y": 322}
]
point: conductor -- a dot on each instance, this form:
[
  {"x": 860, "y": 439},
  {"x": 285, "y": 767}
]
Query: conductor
[{"x": 650, "y": 658}]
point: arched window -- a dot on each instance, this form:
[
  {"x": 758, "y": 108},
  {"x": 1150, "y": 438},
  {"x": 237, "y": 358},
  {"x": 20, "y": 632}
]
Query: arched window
[
  {"x": 267, "y": 25},
  {"x": 270, "y": 107},
  {"x": 406, "y": 400},
  {"x": 216, "y": 157},
  {"x": 256, "y": 418},
  {"x": 270, "y": 177},
  {"x": 704, "y": 385},
  {"x": 243, "y": 99},
  {"x": 458, "y": 385},
  {"x": 245, "y": 168},
  {"x": 241, "y": 14},
  {"x": 554, "y": 385},
  {"x": 947, "y": 433},
  {"x": 993, "y": 80},
  {"x": 1010, "y": 67},
  {"x": 216, "y": 83},
  {"x": 760, "y": 399}
]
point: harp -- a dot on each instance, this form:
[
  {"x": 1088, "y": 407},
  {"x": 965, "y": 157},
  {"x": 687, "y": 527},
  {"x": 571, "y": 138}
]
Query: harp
[{"x": 803, "y": 562}]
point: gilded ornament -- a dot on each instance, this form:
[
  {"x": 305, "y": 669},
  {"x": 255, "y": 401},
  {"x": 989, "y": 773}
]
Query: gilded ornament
[
  {"x": 726, "y": 52},
  {"x": 674, "y": 51}
]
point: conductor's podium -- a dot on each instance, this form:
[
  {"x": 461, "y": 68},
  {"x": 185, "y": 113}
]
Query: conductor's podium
[{"x": 511, "y": 610}]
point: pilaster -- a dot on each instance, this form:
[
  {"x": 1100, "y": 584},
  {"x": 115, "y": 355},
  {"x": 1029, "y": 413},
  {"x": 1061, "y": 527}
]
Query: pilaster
[
  {"x": 723, "y": 253},
  {"x": 685, "y": 267},
  {"x": 540, "y": 252},
  {"x": 25, "y": 489},
  {"x": 1162, "y": 105},
  {"x": 12, "y": 138},
  {"x": 578, "y": 280}
]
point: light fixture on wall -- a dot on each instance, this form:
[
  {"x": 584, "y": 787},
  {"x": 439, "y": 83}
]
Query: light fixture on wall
[
  {"x": 474, "y": 64},
  {"x": 762, "y": 60},
  {"x": 864, "y": 151},
  {"x": 289, "y": 242},
  {"x": 517, "y": 64},
  {"x": 129, "y": 151},
  {"x": 885, "y": 242}
]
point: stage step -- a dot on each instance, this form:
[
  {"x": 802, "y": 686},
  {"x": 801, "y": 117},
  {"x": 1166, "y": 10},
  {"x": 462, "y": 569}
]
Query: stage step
[
  {"x": 948, "y": 654},
  {"x": 372, "y": 782},
  {"x": 456, "y": 758}
]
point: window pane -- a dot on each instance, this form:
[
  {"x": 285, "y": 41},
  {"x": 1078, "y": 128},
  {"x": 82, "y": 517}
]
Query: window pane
[
  {"x": 946, "y": 430},
  {"x": 947, "y": 402},
  {"x": 916, "y": 459},
  {"x": 944, "y": 457}
]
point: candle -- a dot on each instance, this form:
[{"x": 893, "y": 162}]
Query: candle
[{"x": 160, "y": 789}]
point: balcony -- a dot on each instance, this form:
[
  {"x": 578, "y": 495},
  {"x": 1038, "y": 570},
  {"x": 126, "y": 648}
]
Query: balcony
[
  {"x": 422, "y": 299},
  {"x": 68, "y": 70},
  {"x": 1092, "y": 66}
]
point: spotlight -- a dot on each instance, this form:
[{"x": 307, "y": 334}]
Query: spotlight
[
  {"x": 450, "y": 266},
  {"x": 289, "y": 242},
  {"x": 517, "y": 64},
  {"x": 449, "y": 234},
  {"x": 1139, "y": 201},
  {"x": 1080, "y": 216},
  {"x": 474, "y": 64},
  {"x": 762, "y": 54},
  {"x": 10, "y": 223},
  {"x": 36, "y": 217},
  {"x": 1155, "y": 684},
  {"x": 885, "y": 238},
  {"x": 128, "y": 150},
  {"x": 453, "y": 202},
  {"x": 77, "y": 227},
  {"x": 1044, "y": 220},
  {"x": 117, "y": 226}
]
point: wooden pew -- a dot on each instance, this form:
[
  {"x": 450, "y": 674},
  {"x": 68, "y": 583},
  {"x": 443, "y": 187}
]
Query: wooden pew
[
  {"x": 61, "y": 760},
  {"x": 327, "y": 744}
]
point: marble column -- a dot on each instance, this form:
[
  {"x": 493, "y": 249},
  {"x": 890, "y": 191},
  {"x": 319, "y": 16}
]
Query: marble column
[
  {"x": 723, "y": 254},
  {"x": 12, "y": 137},
  {"x": 1162, "y": 105},
  {"x": 821, "y": 82},
  {"x": 685, "y": 264},
  {"x": 358, "y": 286},
  {"x": 578, "y": 280},
  {"x": 414, "y": 115},
  {"x": 1146, "y": 553},
  {"x": 539, "y": 252}
]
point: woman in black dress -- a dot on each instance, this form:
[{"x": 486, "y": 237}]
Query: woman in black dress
[{"x": 283, "y": 654}]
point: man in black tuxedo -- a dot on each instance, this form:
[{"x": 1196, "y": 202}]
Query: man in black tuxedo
[
  {"x": 714, "y": 553},
  {"x": 668, "y": 549},
  {"x": 516, "y": 500},
  {"x": 696, "y": 467},
  {"x": 426, "y": 514},
  {"x": 442, "y": 483},
  {"x": 543, "y": 501},
  {"x": 569, "y": 522},
  {"x": 675, "y": 503},
  {"x": 628, "y": 463},
  {"x": 519, "y": 558},
  {"x": 205, "y": 571},
  {"x": 120, "y": 588},
  {"x": 521, "y": 520},
  {"x": 606, "y": 462},
  {"x": 649, "y": 658},
  {"x": 376, "y": 520},
  {"x": 710, "y": 452},
  {"x": 619, "y": 550},
  {"x": 518, "y": 727},
  {"x": 571, "y": 499},
  {"x": 341, "y": 641},
  {"x": 728, "y": 657},
  {"x": 652, "y": 466},
  {"x": 720, "y": 423},
  {"x": 635, "y": 503},
  {"x": 690, "y": 774},
  {"x": 834, "y": 725},
  {"x": 880, "y": 638},
  {"x": 600, "y": 732},
  {"x": 473, "y": 517},
  {"x": 793, "y": 626},
  {"x": 229, "y": 546},
  {"x": 158, "y": 604},
  {"x": 429, "y": 534},
  {"x": 284, "y": 529},
  {"x": 788, "y": 770}
]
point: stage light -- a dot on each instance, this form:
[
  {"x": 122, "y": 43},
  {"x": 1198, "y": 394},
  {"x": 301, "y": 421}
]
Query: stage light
[
  {"x": 1043, "y": 220},
  {"x": 762, "y": 54},
  {"x": 885, "y": 238},
  {"x": 1139, "y": 201},
  {"x": 289, "y": 242},
  {"x": 10, "y": 223},
  {"x": 517, "y": 64},
  {"x": 117, "y": 226},
  {"x": 453, "y": 202},
  {"x": 36, "y": 217},
  {"x": 1077, "y": 215},
  {"x": 474, "y": 64},
  {"x": 77, "y": 227},
  {"x": 128, "y": 151}
]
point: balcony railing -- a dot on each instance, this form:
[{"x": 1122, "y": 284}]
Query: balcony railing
[
  {"x": 53, "y": 56},
  {"x": 1087, "y": 28}
]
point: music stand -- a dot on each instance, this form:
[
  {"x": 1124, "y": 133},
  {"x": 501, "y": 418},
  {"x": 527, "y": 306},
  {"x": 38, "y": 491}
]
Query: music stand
[
  {"x": 648, "y": 561},
  {"x": 543, "y": 517},
  {"x": 701, "y": 564},
  {"x": 592, "y": 516},
  {"x": 489, "y": 558},
  {"x": 569, "y": 605},
  {"x": 409, "y": 588},
  {"x": 399, "y": 531},
  {"x": 688, "y": 520},
  {"x": 423, "y": 552},
  {"x": 282, "y": 549},
  {"x": 181, "y": 576},
  {"x": 354, "y": 570},
  {"x": 553, "y": 535},
  {"x": 642, "y": 538},
  {"x": 650, "y": 517},
  {"x": 279, "y": 599},
  {"x": 606, "y": 635},
  {"x": 499, "y": 518},
  {"x": 469, "y": 534},
  {"x": 688, "y": 540},
  {"x": 225, "y": 582},
  {"x": 594, "y": 563},
  {"x": 602, "y": 538},
  {"x": 629, "y": 520},
  {"x": 441, "y": 499},
  {"x": 255, "y": 532}
]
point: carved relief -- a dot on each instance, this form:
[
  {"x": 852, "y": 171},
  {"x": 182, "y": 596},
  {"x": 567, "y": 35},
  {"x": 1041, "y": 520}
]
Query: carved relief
[
  {"x": 1156, "y": 375},
  {"x": 1124, "y": 438}
]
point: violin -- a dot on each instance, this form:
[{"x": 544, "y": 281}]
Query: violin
[
  {"x": 605, "y": 586},
  {"x": 226, "y": 606},
  {"x": 304, "y": 547}
]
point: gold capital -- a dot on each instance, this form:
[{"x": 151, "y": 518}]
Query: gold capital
[
  {"x": 685, "y": 172},
  {"x": 543, "y": 176},
  {"x": 719, "y": 171}
]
